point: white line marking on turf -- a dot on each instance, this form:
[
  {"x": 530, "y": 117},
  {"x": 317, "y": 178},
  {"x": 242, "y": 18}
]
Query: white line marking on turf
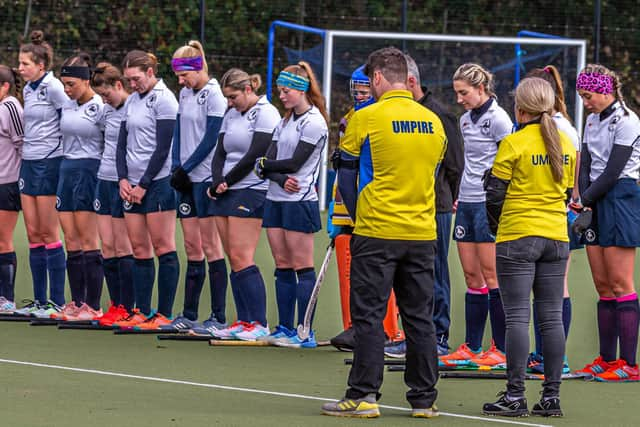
[{"x": 248, "y": 390}]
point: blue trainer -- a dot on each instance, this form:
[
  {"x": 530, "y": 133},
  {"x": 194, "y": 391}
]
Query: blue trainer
[
  {"x": 279, "y": 332},
  {"x": 180, "y": 323},
  {"x": 209, "y": 326},
  {"x": 535, "y": 364},
  {"x": 397, "y": 350},
  {"x": 295, "y": 342}
]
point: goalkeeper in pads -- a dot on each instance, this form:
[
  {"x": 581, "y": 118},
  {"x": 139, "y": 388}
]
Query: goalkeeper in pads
[{"x": 340, "y": 226}]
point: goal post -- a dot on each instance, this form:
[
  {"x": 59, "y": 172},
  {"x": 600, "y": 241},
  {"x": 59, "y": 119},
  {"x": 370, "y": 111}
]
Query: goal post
[{"x": 437, "y": 56}]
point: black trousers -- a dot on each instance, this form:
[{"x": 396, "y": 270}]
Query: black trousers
[{"x": 377, "y": 266}]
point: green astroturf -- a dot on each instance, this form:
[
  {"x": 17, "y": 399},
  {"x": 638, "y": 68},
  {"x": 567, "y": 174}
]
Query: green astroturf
[{"x": 39, "y": 396}]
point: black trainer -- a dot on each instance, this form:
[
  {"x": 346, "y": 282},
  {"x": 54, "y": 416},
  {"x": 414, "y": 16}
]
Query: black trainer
[
  {"x": 505, "y": 407},
  {"x": 547, "y": 408},
  {"x": 345, "y": 340}
]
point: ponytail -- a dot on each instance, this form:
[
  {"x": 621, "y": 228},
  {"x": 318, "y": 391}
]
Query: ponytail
[
  {"x": 551, "y": 138},
  {"x": 551, "y": 75}
]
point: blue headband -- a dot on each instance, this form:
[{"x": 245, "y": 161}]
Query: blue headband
[
  {"x": 194, "y": 63},
  {"x": 293, "y": 81}
]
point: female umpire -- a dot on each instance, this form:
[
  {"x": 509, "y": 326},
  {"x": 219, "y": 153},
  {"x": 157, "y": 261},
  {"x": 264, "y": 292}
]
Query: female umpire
[
  {"x": 533, "y": 172},
  {"x": 609, "y": 171}
]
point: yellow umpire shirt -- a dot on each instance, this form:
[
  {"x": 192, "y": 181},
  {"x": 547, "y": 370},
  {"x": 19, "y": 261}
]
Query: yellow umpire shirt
[
  {"x": 535, "y": 204},
  {"x": 403, "y": 144}
]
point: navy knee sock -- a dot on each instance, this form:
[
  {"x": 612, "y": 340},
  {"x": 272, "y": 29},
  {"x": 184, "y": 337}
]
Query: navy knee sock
[
  {"x": 497, "y": 319},
  {"x": 608, "y": 328},
  {"x": 242, "y": 307},
  {"x": 476, "y": 309},
  {"x": 125, "y": 273},
  {"x": 252, "y": 285},
  {"x": 566, "y": 316},
  {"x": 193, "y": 282},
  {"x": 112, "y": 277},
  {"x": 56, "y": 268},
  {"x": 306, "y": 281},
  {"x": 75, "y": 271},
  {"x": 286, "y": 284},
  {"x": 628, "y": 315},
  {"x": 38, "y": 266},
  {"x": 168, "y": 275},
  {"x": 218, "y": 288},
  {"x": 144, "y": 274},
  {"x": 8, "y": 265},
  {"x": 94, "y": 276}
]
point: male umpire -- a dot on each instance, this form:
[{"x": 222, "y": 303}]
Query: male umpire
[{"x": 394, "y": 240}]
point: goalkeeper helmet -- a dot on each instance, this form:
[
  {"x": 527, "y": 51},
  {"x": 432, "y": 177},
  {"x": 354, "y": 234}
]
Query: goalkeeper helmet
[{"x": 360, "y": 88}]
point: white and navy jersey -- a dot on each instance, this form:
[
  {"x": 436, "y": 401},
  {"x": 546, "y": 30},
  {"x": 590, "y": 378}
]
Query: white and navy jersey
[
  {"x": 312, "y": 129},
  {"x": 195, "y": 107},
  {"x": 565, "y": 126},
  {"x": 238, "y": 129},
  {"x": 11, "y": 134},
  {"x": 141, "y": 114},
  {"x": 42, "y": 138},
  {"x": 111, "y": 119},
  {"x": 81, "y": 127},
  {"x": 617, "y": 128},
  {"x": 481, "y": 138}
]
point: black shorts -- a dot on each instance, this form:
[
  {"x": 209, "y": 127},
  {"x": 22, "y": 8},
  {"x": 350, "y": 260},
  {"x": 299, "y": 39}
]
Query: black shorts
[{"x": 10, "y": 197}]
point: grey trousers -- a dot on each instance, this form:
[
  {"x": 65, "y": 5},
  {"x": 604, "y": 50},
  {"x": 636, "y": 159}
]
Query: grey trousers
[{"x": 533, "y": 264}]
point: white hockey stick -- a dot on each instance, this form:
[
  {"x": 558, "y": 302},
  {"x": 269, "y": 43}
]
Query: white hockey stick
[{"x": 304, "y": 330}]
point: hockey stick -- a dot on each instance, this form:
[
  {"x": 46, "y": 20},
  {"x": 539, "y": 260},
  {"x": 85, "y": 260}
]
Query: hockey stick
[
  {"x": 502, "y": 375},
  {"x": 184, "y": 337},
  {"x": 304, "y": 330}
]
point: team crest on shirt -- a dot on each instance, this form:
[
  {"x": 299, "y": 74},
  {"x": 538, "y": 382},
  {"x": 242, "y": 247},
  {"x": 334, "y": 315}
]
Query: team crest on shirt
[
  {"x": 202, "y": 96},
  {"x": 21, "y": 184},
  {"x": 459, "y": 231},
  {"x": 184, "y": 208},
  {"x": 42, "y": 94},
  {"x": 96, "y": 205},
  {"x": 485, "y": 127},
  {"x": 252, "y": 116},
  {"x": 151, "y": 100},
  {"x": 91, "y": 111},
  {"x": 590, "y": 235},
  {"x": 127, "y": 205}
]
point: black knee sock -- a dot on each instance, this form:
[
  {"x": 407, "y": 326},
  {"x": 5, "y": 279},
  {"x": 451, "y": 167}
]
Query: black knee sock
[
  {"x": 608, "y": 329},
  {"x": 239, "y": 297},
  {"x": 38, "y": 267},
  {"x": 497, "y": 319},
  {"x": 286, "y": 289},
  {"x": 8, "y": 265},
  {"x": 94, "y": 276},
  {"x": 75, "y": 272},
  {"x": 56, "y": 267},
  {"x": 306, "y": 281},
  {"x": 193, "y": 282},
  {"x": 628, "y": 313},
  {"x": 127, "y": 293},
  {"x": 218, "y": 287},
  {"x": 252, "y": 286},
  {"x": 476, "y": 311},
  {"x": 112, "y": 277},
  {"x": 144, "y": 274},
  {"x": 168, "y": 275}
]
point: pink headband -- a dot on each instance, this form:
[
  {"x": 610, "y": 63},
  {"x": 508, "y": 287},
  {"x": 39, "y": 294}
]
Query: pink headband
[
  {"x": 187, "y": 64},
  {"x": 595, "y": 82}
]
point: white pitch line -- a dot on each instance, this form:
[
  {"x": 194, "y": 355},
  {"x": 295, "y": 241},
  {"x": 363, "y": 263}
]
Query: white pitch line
[{"x": 247, "y": 390}]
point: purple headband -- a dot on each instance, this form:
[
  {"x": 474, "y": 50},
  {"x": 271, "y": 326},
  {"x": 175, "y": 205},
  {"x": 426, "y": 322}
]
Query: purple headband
[
  {"x": 595, "y": 82},
  {"x": 193, "y": 63}
]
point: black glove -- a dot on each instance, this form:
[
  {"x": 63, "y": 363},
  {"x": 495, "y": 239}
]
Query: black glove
[
  {"x": 583, "y": 221},
  {"x": 180, "y": 180}
]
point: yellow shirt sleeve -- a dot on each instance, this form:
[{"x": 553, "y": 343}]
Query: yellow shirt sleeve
[
  {"x": 504, "y": 162},
  {"x": 351, "y": 142}
]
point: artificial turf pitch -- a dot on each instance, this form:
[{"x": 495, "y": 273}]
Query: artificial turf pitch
[{"x": 76, "y": 377}]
